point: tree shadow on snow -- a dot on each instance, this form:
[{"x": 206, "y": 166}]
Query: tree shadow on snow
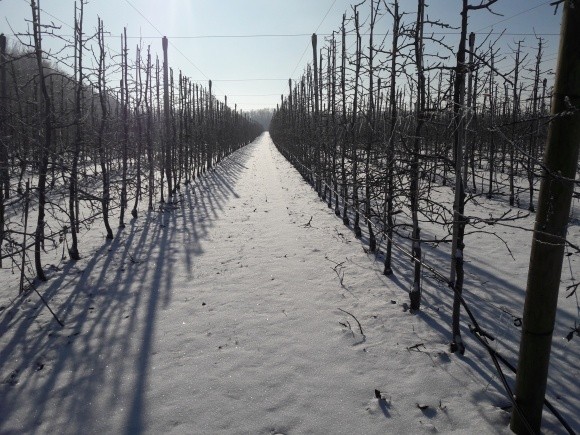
[
  {"x": 66, "y": 375},
  {"x": 497, "y": 304}
]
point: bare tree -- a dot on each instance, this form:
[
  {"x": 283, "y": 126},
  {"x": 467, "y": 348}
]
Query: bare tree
[
  {"x": 44, "y": 148},
  {"x": 138, "y": 99},
  {"x": 149, "y": 127},
  {"x": 371, "y": 123},
  {"x": 394, "y": 116},
  {"x": 102, "y": 89},
  {"x": 535, "y": 126},
  {"x": 459, "y": 219},
  {"x": 415, "y": 293},
  {"x": 352, "y": 128},
  {"x": 515, "y": 116},
  {"x": 73, "y": 183}
]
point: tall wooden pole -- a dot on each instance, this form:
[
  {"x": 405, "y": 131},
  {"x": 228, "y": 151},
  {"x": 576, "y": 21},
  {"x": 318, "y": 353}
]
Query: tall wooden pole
[
  {"x": 167, "y": 140},
  {"x": 548, "y": 242},
  {"x": 318, "y": 182},
  {"x": 3, "y": 145}
]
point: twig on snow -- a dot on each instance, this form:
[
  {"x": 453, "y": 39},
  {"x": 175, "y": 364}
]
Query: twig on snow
[
  {"x": 416, "y": 347},
  {"x": 308, "y": 224},
  {"x": 359, "y": 325},
  {"x": 338, "y": 269}
]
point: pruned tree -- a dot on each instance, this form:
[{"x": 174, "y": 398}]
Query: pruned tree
[
  {"x": 392, "y": 137},
  {"x": 102, "y": 151},
  {"x": 79, "y": 121},
  {"x": 138, "y": 133},
  {"x": 459, "y": 219},
  {"x": 125, "y": 125},
  {"x": 414, "y": 195},
  {"x": 371, "y": 125},
  {"x": 352, "y": 126},
  {"x": 46, "y": 140}
]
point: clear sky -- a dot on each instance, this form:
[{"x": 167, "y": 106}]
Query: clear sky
[{"x": 250, "y": 48}]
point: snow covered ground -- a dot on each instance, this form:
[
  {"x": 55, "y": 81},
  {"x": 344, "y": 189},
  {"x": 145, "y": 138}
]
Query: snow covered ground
[{"x": 250, "y": 308}]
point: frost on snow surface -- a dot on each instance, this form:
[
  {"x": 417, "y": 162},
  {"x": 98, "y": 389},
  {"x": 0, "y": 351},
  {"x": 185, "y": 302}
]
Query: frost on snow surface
[{"x": 250, "y": 308}]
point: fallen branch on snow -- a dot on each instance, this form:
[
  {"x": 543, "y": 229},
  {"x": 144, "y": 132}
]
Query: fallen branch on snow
[
  {"x": 359, "y": 325},
  {"x": 308, "y": 224}
]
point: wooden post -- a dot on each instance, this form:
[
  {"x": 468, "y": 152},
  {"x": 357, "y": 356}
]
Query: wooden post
[
  {"x": 343, "y": 142},
  {"x": 167, "y": 140},
  {"x": 3, "y": 149},
  {"x": 316, "y": 153},
  {"x": 353, "y": 126},
  {"x": 388, "y": 270},
  {"x": 125, "y": 114},
  {"x": 548, "y": 242}
]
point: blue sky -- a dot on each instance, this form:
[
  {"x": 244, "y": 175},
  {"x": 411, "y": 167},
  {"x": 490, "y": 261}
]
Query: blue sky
[{"x": 250, "y": 48}]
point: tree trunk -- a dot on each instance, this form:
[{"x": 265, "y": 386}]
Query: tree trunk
[
  {"x": 415, "y": 293},
  {"x": 515, "y": 112},
  {"x": 138, "y": 97},
  {"x": 469, "y": 113},
  {"x": 45, "y": 146},
  {"x": 100, "y": 140},
  {"x": 73, "y": 183},
  {"x": 371, "y": 133},
  {"x": 388, "y": 269},
  {"x": 456, "y": 274}
]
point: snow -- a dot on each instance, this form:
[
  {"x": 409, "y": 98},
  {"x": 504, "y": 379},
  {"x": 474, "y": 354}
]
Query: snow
[{"x": 228, "y": 314}]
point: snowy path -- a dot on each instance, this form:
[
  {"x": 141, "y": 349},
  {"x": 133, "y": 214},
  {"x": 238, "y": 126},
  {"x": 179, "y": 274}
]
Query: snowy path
[{"x": 224, "y": 316}]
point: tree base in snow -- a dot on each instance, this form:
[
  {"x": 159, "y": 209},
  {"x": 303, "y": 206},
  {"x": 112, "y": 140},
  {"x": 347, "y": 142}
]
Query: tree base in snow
[
  {"x": 415, "y": 298},
  {"x": 457, "y": 346}
]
